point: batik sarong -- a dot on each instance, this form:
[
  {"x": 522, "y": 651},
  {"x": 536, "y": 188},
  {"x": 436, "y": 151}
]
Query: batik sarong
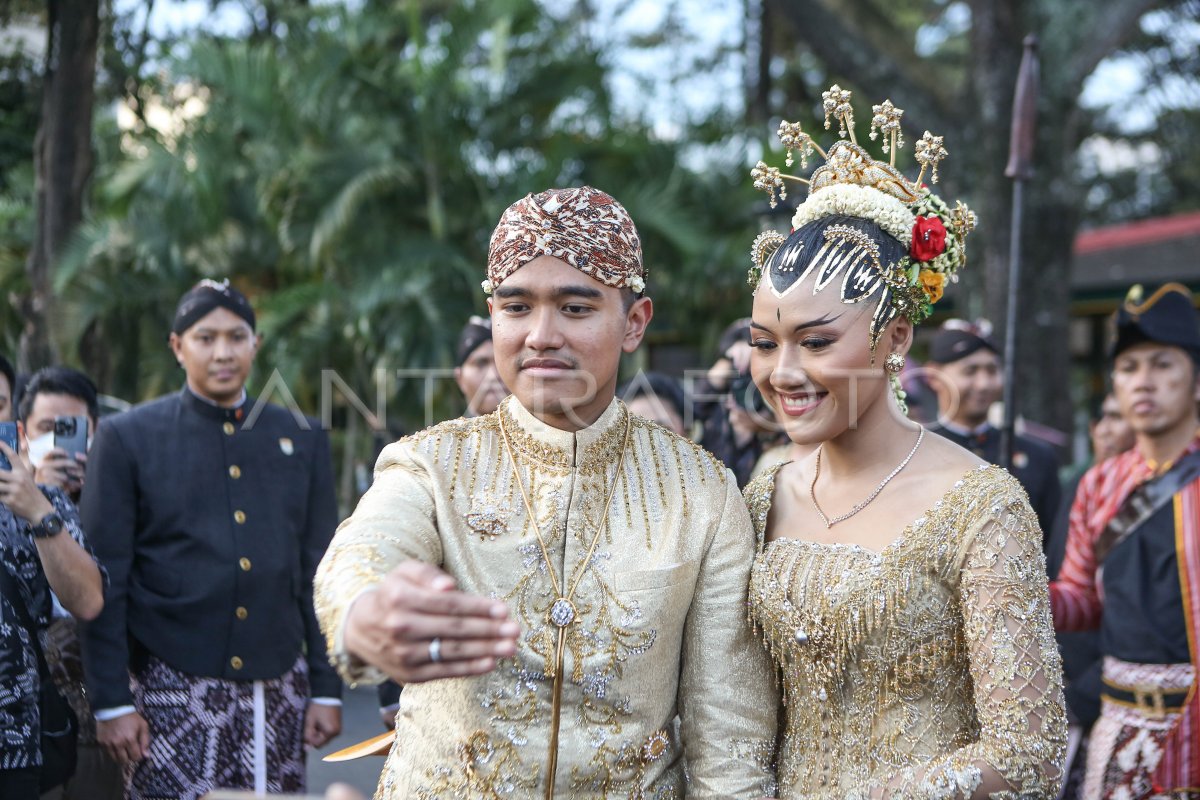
[
  {"x": 211, "y": 733},
  {"x": 1126, "y": 744}
]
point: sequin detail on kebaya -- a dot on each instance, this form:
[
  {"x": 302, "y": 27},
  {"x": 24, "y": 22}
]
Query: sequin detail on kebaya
[{"x": 924, "y": 668}]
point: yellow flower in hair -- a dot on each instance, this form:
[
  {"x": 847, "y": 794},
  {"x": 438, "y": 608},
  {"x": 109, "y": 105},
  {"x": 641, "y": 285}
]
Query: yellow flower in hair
[{"x": 934, "y": 284}]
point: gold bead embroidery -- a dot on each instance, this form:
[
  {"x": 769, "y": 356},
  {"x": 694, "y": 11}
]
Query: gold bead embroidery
[{"x": 904, "y": 660}]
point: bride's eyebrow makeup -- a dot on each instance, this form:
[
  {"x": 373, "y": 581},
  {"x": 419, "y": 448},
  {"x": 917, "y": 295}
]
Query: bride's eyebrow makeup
[{"x": 826, "y": 320}]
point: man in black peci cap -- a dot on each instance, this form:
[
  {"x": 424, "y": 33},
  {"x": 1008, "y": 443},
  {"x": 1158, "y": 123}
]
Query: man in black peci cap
[
  {"x": 210, "y": 511},
  {"x": 966, "y": 374},
  {"x": 1132, "y": 566},
  {"x": 475, "y": 368}
]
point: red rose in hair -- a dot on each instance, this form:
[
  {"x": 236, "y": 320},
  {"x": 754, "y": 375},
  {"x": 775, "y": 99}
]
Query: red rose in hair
[{"x": 928, "y": 239}]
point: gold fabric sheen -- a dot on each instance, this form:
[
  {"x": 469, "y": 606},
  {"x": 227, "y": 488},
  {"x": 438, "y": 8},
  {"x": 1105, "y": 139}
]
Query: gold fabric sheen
[
  {"x": 928, "y": 670},
  {"x": 662, "y": 630}
]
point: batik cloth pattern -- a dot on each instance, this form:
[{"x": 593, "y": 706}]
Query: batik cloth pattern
[
  {"x": 1126, "y": 744},
  {"x": 212, "y": 733},
  {"x": 584, "y": 227},
  {"x": 661, "y": 631},
  {"x": 927, "y": 670},
  {"x": 65, "y": 661}
]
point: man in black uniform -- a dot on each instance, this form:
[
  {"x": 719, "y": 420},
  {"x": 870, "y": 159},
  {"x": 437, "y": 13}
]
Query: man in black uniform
[
  {"x": 965, "y": 374},
  {"x": 210, "y": 511}
]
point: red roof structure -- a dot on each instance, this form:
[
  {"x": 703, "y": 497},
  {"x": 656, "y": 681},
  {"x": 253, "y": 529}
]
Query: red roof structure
[
  {"x": 1151, "y": 251},
  {"x": 1132, "y": 234}
]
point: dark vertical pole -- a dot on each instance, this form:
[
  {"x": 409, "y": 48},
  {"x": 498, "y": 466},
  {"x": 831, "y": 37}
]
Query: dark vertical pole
[
  {"x": 1020, "y": 169},
  {"x": 62, "y": 161}
]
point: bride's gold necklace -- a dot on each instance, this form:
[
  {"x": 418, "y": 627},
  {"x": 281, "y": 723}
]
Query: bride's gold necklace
[
  {"x": 562, "y": 611},
  {"x": 812, "y": 487}
]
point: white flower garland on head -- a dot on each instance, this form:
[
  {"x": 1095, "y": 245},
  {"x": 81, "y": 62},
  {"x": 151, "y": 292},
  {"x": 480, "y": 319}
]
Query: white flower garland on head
[{"x": 854, "y": 200}]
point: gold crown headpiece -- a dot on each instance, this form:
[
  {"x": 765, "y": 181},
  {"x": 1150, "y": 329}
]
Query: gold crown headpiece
[{"x": 854, "y": 184}]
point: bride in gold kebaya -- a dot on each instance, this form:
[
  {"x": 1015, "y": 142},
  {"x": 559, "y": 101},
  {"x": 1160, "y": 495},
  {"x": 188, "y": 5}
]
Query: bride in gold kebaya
[{"x": 900, "y": 582}]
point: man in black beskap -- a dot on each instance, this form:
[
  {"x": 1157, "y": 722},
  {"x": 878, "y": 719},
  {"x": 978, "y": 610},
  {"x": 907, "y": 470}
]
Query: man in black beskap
[
  {"x": 210, "y": 511},
  {"x": 1132, "y": 552},
  {"x": 475, "y": 368},
  {"x": 966, "y": 373}
]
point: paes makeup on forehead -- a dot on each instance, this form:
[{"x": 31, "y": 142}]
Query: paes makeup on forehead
[
  {"x": 825, "y": 320},
  {"x": 864, "y": 229}
]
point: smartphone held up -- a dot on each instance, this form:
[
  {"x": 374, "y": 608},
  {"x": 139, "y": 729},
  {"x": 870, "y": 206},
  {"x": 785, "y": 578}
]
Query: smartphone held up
[
  {"x": 8, "y": 435},
  {"x": 70, "y": 435}
]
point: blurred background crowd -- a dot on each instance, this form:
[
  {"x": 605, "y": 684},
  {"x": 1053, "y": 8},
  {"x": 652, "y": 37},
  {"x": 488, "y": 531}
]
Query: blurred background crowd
[{"x": 345, "y": 162}]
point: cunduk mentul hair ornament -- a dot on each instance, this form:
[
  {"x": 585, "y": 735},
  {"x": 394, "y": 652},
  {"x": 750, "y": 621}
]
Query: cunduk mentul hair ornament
[{"x": 863, "y": 219}]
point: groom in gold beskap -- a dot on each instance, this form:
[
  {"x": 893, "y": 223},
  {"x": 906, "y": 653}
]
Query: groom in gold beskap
[{"x": 560, "y": 585}]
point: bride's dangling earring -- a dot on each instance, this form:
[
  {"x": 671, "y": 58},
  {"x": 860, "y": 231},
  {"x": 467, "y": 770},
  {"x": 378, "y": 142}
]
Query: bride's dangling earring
[{"x": 894, "y": 365}]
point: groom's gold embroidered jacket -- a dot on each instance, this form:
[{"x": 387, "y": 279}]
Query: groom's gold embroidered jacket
[{"x": 662, "y": 625}]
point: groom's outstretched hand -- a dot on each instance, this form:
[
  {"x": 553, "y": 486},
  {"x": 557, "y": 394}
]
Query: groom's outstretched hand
[{"x": 416, "y": 626}]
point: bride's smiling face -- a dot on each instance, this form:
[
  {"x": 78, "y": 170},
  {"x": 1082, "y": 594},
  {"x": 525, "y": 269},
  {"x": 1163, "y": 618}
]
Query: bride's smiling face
[{"x": 811, "y": 359}]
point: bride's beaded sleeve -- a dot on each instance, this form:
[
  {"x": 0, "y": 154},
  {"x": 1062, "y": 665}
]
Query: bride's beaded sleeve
[{"x": 928, "y": 670}]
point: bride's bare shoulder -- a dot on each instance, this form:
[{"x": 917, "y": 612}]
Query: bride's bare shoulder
[{"x": 941, "y": 456}]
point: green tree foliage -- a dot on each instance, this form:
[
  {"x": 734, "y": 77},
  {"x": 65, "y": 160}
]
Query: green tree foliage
[
  {"x": 952, "y": 66},
  {"x": 20, "y": 98},
  {"x": 347, "y": 165},
  {"x": 62, "y": 164},
  {"x": 1140, "y": 158}
]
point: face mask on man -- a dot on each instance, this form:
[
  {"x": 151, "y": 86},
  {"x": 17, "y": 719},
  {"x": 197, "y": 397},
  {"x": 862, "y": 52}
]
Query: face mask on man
[{"x": 39, "y": 448}]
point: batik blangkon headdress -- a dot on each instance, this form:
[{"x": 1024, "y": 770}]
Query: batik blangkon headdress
[
  {"x": 863, "y": 221},
  {"x": 584, "y": 227}
]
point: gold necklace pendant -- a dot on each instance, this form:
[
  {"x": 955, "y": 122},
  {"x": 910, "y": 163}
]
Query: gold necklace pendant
[{"x": 562, "y": 613}]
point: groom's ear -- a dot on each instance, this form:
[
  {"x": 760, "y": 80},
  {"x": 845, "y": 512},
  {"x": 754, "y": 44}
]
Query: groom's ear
[{"x": 637, "y": 319}]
